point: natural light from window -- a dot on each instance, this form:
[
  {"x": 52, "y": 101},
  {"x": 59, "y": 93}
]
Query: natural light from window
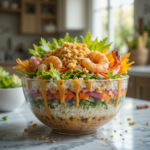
[{"x": 113, "y": 19}]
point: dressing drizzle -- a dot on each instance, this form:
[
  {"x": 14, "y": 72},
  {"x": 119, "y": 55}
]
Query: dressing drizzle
[
  {"x": 119, "y": 92},
  {"x": 61, "y": 88},
  {"x": 77, "y": 84},
  {"x": 28, "y": 83},
  {"x": 90, "y": 84},
  {"x": 43, "y": 90}
]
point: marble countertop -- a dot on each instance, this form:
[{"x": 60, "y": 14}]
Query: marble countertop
[
  {"x": 13, "y": 137},
  {"x": 140, "y": 71}
]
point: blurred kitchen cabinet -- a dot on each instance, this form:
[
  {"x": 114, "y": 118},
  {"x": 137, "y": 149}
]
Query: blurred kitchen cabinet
[
  {"x": 131, "y": 87},
  {"x": 36, "y": 14},
  {"x": 29, "y": 17},
  {"x": 139, "y": 87},
  {"x": 71, "y": 15}
]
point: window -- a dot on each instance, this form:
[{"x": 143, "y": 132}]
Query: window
[{"x": 113, "y": 19}]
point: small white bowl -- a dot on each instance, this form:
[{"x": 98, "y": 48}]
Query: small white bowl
[{"x": 11, "y": 98}]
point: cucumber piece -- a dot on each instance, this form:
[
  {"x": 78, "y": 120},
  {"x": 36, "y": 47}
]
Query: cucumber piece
[
  {"x": 72, "y": 102},
  {"x": 97, "y": 102}
]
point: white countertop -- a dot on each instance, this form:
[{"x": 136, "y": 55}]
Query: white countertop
[
  {"x": 140, "y": 71},
  {"x": 20, "y": 119}
]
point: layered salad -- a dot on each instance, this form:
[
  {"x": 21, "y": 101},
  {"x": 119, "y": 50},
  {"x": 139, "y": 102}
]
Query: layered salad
[{"x": 72, "y": 86}]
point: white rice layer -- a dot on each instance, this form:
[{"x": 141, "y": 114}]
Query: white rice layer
[
  {"x": 65, "y": 112},
  {"x": 69, "y": 86}
]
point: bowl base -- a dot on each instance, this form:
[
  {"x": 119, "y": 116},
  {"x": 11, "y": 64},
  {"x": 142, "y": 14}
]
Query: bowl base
[{"x": 74, "y": 132}]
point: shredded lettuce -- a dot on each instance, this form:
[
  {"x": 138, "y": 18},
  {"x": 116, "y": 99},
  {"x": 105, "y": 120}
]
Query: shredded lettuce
[
  {"x": 40, "y": 51},
  {"x": 96, "y": 45},
  {"x": 8, "y": 81}
]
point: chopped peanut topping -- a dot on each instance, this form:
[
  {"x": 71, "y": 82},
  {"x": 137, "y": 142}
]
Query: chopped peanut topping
[
  {"x": 53, "y": 91},
  {"x": 42, "y": 137},
  {"x": 120, "y": 134},
  {"x": 107, "y": 129},
  {"x": 46, "y": 138},
  {"x": 129, "y": 119},
  {"x": 140, "y": 139},
  {"x": 31, "y": 121},
  {"x": 106, "y": 138},
  {"x": 102, "y": 138},
  {"x": 53, "y": 141},
  {"x": 38, "y": 133},
  {"x": 58, "y": 139},
  {"x": 147, "y": 123},
  {"x": 123, "y": 139},
  {"x": 132, "y": 123},
  {"x": 126, "y": 131},
  {"x": 115, "y": 131},
  {"x": 37, "y": 138},
  {"x": 34, "y": 125},
  {"x": 31, "y": 131},
  {"x": 25, "y": 130},
  {"x": 111, "y": 136},
  {"x": 114, "y": 118}
]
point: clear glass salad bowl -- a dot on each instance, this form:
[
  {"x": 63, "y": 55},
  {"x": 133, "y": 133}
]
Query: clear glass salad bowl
[{"x": 97, "y": 104}]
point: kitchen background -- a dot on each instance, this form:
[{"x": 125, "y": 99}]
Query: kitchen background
[{"x": 125, "y": 22}]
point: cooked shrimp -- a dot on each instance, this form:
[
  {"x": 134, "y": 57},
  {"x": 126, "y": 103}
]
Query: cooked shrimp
[
  {"x": 57, "y": 63},
  {"x": 42, "y": 67},
  {"x": 96, "y": 62},
  {"x": 35, "y": 62},
  {"x": 117, "y": 63}
]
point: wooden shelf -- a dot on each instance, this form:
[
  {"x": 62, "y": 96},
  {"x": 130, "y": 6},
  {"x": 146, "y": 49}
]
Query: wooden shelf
[
  {"x": 48, "y": 17},
  {"x": 10, "y": 10},
  {"x": 49, "y": 2}
]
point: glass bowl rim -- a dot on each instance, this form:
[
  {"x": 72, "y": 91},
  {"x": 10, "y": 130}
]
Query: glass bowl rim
[{"x": 31, "y": 79}]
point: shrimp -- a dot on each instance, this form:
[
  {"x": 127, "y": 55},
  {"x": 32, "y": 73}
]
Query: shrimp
[
  {"x": 57, "y": 64},
  {"x": 35, "y": 62},
  {"x": 42, "y": 67},
  {"x": 96, "y": 62},
  {"x": 117, "y": 63}
]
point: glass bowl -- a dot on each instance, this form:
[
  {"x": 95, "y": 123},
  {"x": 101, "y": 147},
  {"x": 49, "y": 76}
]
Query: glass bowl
[{"x": 99, "y": 101}]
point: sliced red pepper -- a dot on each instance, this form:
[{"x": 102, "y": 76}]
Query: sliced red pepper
[
  {"x": 101, "y": 74},
  {"x": 64, "y": 70}
]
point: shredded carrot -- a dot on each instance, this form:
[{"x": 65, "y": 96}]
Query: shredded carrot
[
  {"x": 83, "y": 95},
  {"x": 70, "y": 94},
  {"x": 23, "y": 65},
  {"x": 105, "y": 96},
  {"x": 109, "y": 102}
]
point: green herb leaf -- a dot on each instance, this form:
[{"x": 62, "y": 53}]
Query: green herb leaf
[
  {"x": 5, "y": 118},
  {"x": 30, "y": 74},
  {"x": 52, "y": 72}
]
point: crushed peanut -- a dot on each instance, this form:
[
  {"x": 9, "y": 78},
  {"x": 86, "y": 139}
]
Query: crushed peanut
[
  {"x": 53, "y": 91},
  {"x": 46, "y": 138},
  {"x": 132, "y": 123},
  {"x": 140, "y": 139},
  {"x": 102, "y": 128},
  {"x": 31, "y": 131},
  {"x": 102, "y": 138},
  {"x": 70, "y": 54},
  {"x": 111, "y": 136},
  {"x": 25, "y": 130},
  {"x": 58, "y": 139},
  {"x": 37, "y": 138},
  {"x": 31, "y": 121},
  {"x": 115, "y": 131},
  {"x": 126, "y": 131},
  {"x": 147, "y": 123},
  {"x": 38, "y": 133},
  {"x": 53, "y": 141},
  {"x": 120, "y": 134},
  {"x": 120, "y": 123},
  {"x": 114, "y": 118},
  {"x": 106, "y": 138},
  {"x": 83, "y": 76},
  {"x": 42, "y": 137},
  {"x": 98, "y": 88},
  {"x": 34, "y": 125},
  {"x": 123, "y": 139},
  {"x": 107, "y": 129},
  {"x": 129, "y": 119}
]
